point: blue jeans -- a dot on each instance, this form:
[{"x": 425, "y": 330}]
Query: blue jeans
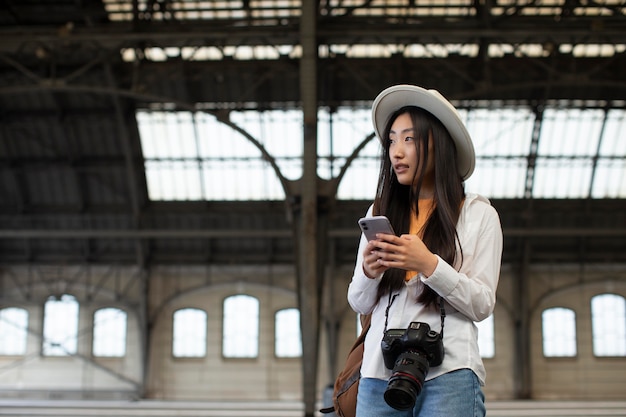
[{"x": 455, "y": 394}]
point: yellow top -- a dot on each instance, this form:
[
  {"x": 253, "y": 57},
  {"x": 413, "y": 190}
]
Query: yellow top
[{"x": 418, "y": 222}]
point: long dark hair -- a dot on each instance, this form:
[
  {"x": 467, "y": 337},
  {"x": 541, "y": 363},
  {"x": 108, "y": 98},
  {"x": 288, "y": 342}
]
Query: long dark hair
[{"x": 396, "y": 201}]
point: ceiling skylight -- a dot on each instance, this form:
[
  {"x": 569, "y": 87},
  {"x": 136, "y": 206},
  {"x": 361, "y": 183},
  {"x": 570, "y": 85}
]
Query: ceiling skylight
[{"x": 572, "y": 153}]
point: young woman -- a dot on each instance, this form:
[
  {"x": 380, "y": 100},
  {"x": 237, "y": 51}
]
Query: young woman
[{"x": 439, "y": 273}]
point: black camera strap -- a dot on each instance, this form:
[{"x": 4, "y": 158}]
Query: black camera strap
[
  {"x": 389, "y": 303},
  {"x": 442, "y": 311},
  {"x": 392, "y": 298}
]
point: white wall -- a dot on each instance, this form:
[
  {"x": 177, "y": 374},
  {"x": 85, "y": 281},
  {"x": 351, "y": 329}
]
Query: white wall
[{"x": 267, "y": 377}]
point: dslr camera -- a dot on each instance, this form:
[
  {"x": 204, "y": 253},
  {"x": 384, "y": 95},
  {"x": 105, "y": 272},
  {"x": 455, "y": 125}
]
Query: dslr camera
[{"x": 409, "y": 353}]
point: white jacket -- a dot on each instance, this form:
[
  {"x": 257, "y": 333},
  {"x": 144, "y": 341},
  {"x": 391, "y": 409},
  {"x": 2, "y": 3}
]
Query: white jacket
[{"x": 469, "y": 291}]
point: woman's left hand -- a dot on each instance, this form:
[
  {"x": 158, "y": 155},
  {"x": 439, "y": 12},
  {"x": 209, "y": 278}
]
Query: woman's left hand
[{"x": 407, "y": 252}]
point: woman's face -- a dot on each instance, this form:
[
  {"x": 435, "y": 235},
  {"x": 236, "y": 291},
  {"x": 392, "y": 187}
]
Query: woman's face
[{"x": 403, "y": 153}]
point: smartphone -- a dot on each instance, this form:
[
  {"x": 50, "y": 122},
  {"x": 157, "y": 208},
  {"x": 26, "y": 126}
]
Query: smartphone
[{"x": 370, "y": 226}]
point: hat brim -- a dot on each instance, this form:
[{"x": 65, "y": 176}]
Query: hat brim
[{"x": 397, "y": 96}]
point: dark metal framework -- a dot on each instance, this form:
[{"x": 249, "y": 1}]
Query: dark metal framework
[{"x": 68, "y": 96}]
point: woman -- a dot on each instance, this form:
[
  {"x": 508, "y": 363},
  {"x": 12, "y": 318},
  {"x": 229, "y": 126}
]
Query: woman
[{"x": 441, "y": 270}]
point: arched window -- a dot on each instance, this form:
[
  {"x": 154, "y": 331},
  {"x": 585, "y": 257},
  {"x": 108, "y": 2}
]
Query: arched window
[
  {"x": 559, "y": 332},
  {"x": 486, "y": 341},
  {"x": 287, "y": 338},
  {"x": 13, "y": 331},
  {"x": 241, "y": 327},
  {"x": 109, "y": 332},
  {"x": 608, "y": 321},
  {"x": 189, "y": 333},
  {"x": 60, "y": 326}
]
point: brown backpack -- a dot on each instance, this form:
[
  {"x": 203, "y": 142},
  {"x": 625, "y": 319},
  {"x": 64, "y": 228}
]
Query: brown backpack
[{"x": 347, "y": 382}]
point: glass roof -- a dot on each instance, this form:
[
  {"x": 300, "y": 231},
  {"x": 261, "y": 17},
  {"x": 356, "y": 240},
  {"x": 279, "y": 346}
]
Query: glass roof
[
  {"x": 272, "y": 13},
  {"x": 567, "y": 153},
  {"x": 260, "y": 10}
]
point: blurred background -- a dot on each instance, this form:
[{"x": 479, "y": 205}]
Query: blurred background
[{"x": 180, "y": 183}]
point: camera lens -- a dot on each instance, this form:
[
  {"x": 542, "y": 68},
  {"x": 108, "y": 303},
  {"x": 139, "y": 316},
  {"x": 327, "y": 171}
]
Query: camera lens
[
  {"x": 401, "y": 394},
  {"x": 407, "y": 380}
]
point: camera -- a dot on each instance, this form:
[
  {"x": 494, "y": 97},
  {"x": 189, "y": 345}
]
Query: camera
[{"x": 409, "y": 353}]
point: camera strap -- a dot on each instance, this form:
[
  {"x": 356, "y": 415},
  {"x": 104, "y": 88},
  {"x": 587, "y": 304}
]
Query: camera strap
[
  {"x": 392, "y": 298},
  {"x": 442, "y": 311},
  {"x": 389, "y": 303}
]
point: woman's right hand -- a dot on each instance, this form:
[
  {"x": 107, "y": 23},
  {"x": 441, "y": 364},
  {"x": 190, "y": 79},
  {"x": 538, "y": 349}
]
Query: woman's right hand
[{"x": 371, "y": 265}]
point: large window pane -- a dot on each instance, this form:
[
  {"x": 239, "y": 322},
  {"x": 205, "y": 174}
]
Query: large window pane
[
  {"x": 193, "y": 156},
  {"x": 109, "y": 332},
  {"x": 570, "y": 132},
  {"x": 608, "y": 320},
  {"x": 13, "y": 331},
  {"x": 567, "y": 147},
  {"x": 559, "y": 332},
  {"x": 613, "y": 143},
  {"x": 609, "y": 180},
  {"x": 501, "y": 141},
  {"x": 60, "y": 326},
  {"x": 610, "y": 177},
  {"x": 288, "y": 341},
  {"x": 562, "y": 178},
  {"x": 241, "y": 327},
  {"x": 190, "y": 333},
  {"x": 499, "y": 177},
  {"x": 340, "y": 133},
  {"x": 503, "y": 132}
]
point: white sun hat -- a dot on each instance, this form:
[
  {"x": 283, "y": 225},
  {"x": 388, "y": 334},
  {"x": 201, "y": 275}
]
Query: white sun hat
[{"x": 397, "y": 96}]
